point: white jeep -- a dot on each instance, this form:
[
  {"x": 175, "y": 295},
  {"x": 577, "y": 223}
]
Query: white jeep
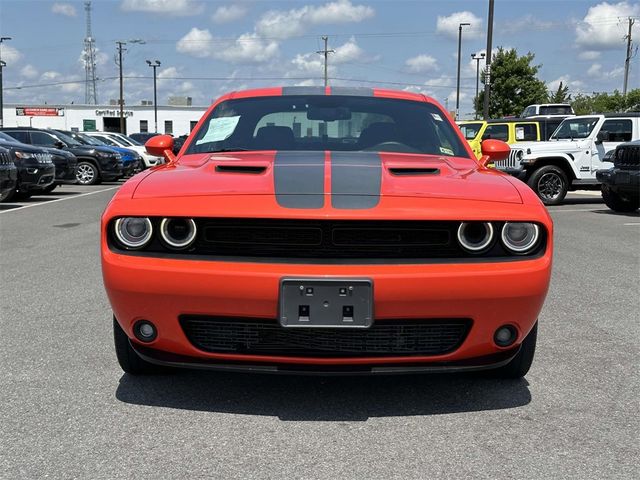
[{"x": 570, "y": 158}]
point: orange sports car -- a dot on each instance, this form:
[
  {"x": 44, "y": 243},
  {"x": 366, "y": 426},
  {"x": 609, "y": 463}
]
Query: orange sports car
[{"x": 332, "y": 230}]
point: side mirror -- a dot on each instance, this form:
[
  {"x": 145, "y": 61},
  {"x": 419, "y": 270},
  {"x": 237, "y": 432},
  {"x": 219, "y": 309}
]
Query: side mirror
[
  {"x": 161, "y": 146},
  {"x": 59, "y": 145},
  {"x": 602, "y": 136},
  {"x": 494, "y": 151},
  {"x": 608, "y": 157}
]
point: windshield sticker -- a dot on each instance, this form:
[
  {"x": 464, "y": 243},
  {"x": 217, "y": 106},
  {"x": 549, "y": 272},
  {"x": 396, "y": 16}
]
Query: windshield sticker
[
  {"x": 219, "y": 129},
  {"x": 437, "y": 117},
  {"x": 446, "y": 151},
  {"x": 519, "y": 133}
]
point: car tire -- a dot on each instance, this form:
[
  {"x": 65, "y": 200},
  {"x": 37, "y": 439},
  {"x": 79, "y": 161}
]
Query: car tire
[
  {"x": 550, "y": 184},
  {"x": 129, "y": 360},
  {"x": 618, "y": 204},
  {"x": 50, "y": 188},
  {"x": 87, "y": 173},
  {"x": 521, "y": 363}
]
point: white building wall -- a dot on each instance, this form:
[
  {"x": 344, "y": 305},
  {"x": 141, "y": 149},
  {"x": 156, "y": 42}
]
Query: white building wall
[{"x": 72, "y": 117}]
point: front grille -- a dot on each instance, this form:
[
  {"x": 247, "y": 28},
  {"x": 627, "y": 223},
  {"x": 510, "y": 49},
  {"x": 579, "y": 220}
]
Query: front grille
[
  {"x": 627, "y": 157},
  {"x": 327, "y": 239},
  {"x": 510, "y": 162},
  {"x": 384, "y": 338}
]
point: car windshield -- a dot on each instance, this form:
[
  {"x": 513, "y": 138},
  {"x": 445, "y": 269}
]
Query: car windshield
[
  {"x": 334, "y": 123},
  {"x": 128, "y": 142},
  {"x": 470, "y": 130},
  {"x": 556, "y": 110},
  {"x": 575, "y": 128},
  {"x": 89, "y": 140},
  {"x": 67, "y": 139},
  {"x": 109, "y": 141}
]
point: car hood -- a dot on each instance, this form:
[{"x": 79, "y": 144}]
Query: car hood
[
  {"x": 23, "y": 147},
  {"x": 351, "y": 176},
  {"x": 563, "y": 146}
]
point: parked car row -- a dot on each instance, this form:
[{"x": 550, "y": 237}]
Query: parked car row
[{"x": 46, "y": 158}]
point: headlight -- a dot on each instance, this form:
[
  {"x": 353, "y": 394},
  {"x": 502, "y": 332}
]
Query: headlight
[
  {"x": 520, "y": 237},
  {"x": 475, "y": 236},
  {"x": 178, "y": 232},
  {"x": 519, "y": 155},
  {"x": 133, "y": 232},
  {"x": 38, "y": 157},
  {"x": 23, "y": 155}
]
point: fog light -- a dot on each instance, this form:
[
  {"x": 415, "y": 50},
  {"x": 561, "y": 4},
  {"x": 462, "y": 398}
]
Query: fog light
[
  {"x": 145, "y": 331},
  {"x": 505, "y": 335}
]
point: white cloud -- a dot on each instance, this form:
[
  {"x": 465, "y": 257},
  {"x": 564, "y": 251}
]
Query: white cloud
[
  {"x": 286, "y": 24},
  {"x": 65, "y": 9},
  {"x": 528, "y": 22},
  {"x": 313, "y": 63},
  {"x": 348, "y": 52},
  {"x": 595, "y": 71},
  {"x": 229, "y": 13},
  {"x": 442, "y": 81},
  {"x": 180, "y": 8},
  {"x": 422, "y": 63},
  {"x": 604, "y": 25},
  {"x": 10, "y": 54},
  {"x": 588, "y": 55},
  {"x": 247, "y": 48},
  {"x": 448, "y": 26},
  {"x": 29, "y": 71}
]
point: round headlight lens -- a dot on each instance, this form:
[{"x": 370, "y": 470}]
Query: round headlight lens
[
  {"x": 133, "y": 232},
  {"x": 520, "y": 237},
  {"x": 519, "y": 155},
  {"x": 475, "y": 236},
  {"x": 178, "y": 232}
]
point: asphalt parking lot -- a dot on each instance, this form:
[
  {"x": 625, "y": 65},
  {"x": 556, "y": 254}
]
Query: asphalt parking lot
[{"x": 68, "y": 411}]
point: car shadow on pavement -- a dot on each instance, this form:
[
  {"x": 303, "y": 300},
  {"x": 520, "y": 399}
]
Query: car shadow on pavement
[
  {"x": 619, "y": 214},
  {"x": 313, "y": 398},
  {"x": 583, "y": 201}
]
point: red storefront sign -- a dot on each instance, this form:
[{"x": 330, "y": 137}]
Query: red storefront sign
[{"x": 39, "y": 112}]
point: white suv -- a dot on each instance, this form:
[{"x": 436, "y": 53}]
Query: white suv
[
  {"x": 548, "y": 110},
  {"x": 119, "y": 140}
]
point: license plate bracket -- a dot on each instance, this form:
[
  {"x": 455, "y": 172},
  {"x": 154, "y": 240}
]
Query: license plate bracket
[{"x": 326, "y": 303}]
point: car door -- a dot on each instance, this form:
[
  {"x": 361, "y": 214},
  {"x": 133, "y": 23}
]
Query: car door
[{"x": 617, "y": 131}]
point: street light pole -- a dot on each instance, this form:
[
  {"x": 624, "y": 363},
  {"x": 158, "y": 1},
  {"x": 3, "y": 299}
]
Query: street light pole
[
  {"x": 154, "y": 65},
  {"x": 2, "y": 65},
  {"x": 120, "y": 46},
  {"x": 458, "y": 81},
  {"x": 477, "y": 58}
]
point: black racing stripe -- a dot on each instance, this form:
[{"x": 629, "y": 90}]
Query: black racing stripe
[
  {"x": 356, "y": 179},
  {"x": 352, "y": 91},
  {"x": 303, "y": 90},
  {"x": 299, "y": 179}
]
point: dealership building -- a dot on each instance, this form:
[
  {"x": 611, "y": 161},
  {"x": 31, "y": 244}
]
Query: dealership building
[{"x": 174, "y": 120}]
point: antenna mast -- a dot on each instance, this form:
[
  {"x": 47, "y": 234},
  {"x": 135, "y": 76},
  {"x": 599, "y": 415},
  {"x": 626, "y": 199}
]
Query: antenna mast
[{"x": 89, "y": 58}]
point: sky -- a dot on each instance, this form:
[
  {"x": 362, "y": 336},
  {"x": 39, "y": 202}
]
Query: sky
[{"x": 207, "y": 48}]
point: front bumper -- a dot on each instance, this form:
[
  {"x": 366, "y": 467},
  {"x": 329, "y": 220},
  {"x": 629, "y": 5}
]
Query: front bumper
[
  {"x": 490, "y": 294},
  {"x": 36, "y": 177},
  {"x": 619, "y": 180},
  {"x": 112, "y": 171}
]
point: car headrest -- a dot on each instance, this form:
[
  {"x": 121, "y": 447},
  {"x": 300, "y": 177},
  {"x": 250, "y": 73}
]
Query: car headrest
[
  {"x": 378, "y": 132},
  {"x": 274, "y": 138}
]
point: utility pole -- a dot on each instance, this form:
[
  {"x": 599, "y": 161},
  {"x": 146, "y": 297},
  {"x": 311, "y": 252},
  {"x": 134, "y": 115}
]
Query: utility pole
[
  {"x": 326, "y": 53},
  {"x": 627, "y": 60},
  {"x": 154, "y": 65},
  {"x": 2, "y": 65},
  {"x": 477, "y": 58},
  {"x": 487, "y": 75},
  {"x": 458, "y": 76},
  {"x": 120, "y": 46}
]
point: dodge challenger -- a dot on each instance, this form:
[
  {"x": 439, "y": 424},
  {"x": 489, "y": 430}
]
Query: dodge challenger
[{"x": 326, "y": 230}]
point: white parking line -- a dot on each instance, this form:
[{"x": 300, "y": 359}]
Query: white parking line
[
  {"x": 59, "y": 200},
  {"x": 628, "y": 224}
]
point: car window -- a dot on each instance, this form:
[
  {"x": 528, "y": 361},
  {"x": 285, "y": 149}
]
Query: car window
[
  {"x": 620, "y": 130},
  {"x": 556, "y": 110},
  {"x": 496, "y": 132},
  {"x": 334, "y": 123},
  {"x": 19, "y": 135},
  {"x": 470, "y": 130},
  {"x": 526, "y": 132},
  {"x": 44, "y": 139}
]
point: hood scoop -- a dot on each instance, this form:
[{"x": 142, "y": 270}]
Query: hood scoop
[
  {"x": 247, "y": 169},
  {"x": 413, "y": 171}
]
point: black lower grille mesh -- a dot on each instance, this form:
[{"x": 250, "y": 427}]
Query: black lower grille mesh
[{"x": 267, "y": 337}]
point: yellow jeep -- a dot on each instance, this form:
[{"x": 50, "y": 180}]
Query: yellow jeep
[{"x": 508, "y": 130}]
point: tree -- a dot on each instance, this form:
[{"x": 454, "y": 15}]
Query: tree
[
  {"x": 607, "y": 102},
  {"x": 561, "y": 95},
  {"x": 514, "y": 84}
]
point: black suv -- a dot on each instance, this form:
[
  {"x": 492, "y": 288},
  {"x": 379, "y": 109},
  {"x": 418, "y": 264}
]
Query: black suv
[
  {"x": 8, "y": 174},
  {"x": 94, "y": 163},
  {"x": 36, "y": 171},
  {"x": 621, "y": 184}
]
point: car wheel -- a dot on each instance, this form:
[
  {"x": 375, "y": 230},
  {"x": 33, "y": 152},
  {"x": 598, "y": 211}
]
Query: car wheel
[
  {"x": 50, "y": 188},
  {"x": 618, "y": 204},
  {"x": 550, "y": 184},
  {"x": 521, "y": 363},
  {"x": 128, "y": 359},
  {"x": 87, "y": 173}
]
